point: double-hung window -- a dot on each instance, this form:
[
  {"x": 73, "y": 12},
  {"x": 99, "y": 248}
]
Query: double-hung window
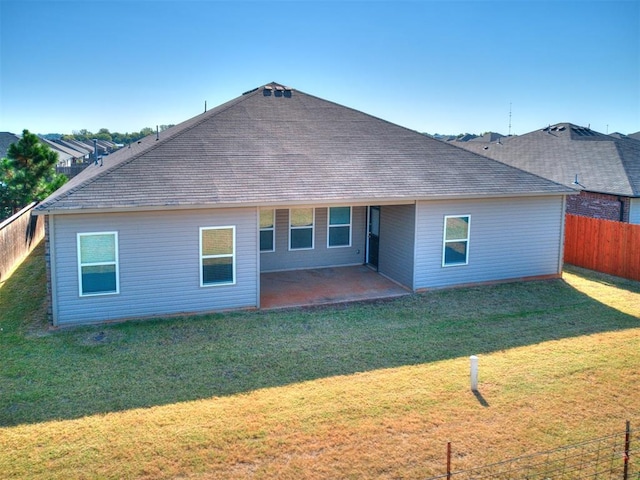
[
  {"x": 339, "y": 227},
  {"x": 301, "y": 226},
  {"x": 98, "y": 263},
  {"x": 217, "y": 256},
  {"x": 455, "y": 250},
  {"x": 267, "y": 230}
]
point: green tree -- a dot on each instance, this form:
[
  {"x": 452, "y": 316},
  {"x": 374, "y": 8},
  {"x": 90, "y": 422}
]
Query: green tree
[
  {"x": 82, "y": 134},
  {"x": 146, "y": 132},
  {"x": 103, "y": 134},
  {"x": 28, "y": 174}
]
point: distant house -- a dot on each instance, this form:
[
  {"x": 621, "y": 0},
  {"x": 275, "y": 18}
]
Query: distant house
[
  {"x": 67, "y": 156},
  {"x": 276, "y": 180},
  {"x": 104, "y": 147},
  {"x": 604, "y": 168},
  {"x": 108, "y": 146},
  {"x": 488, "y": 137},
  {"x": 6, "y": 139},
  {"x": 85, "y": 150},
  {"x": 463, "y": 138}
]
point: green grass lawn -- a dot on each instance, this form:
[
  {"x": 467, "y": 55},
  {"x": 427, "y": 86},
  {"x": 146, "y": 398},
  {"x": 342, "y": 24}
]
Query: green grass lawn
[{"x": 268, "y": 394}]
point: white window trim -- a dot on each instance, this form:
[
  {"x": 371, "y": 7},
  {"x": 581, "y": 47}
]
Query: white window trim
[
  {"x": 329, "y": 226},
  {"x": 272, "y": 229},
  {"x": 224, "y": 255},
  {"x": 312, "y": 227},
  {"x": 445, "y": 241},
  {"x": 95, "y": 264}
]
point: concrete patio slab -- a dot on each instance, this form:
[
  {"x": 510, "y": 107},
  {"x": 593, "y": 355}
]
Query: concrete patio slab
[{"x": 322, "y": 286}]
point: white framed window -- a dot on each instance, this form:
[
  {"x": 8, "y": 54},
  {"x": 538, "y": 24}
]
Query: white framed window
[
  {"x": 301, "y": 228},
  {"x": 455, "y": 246},
  {"x": 339, "y": 227},
  {"x": 217, "y": 256},
  {"x": 98, "y": 271},
  {"x": 268, "y": 230}
]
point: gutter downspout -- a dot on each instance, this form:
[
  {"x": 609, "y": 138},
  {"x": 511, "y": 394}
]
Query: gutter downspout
[
  {"x": 621, "y": 201},
  {"x": 563, "y": 216}
]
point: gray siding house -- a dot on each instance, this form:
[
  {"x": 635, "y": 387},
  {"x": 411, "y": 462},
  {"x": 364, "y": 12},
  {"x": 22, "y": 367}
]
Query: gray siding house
[
  {"x": 604, "y": 169},
  {"x": 277, "y": 180}
]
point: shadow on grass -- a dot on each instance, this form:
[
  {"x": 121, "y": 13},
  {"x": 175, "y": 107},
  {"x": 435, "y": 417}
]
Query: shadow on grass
[
  {"x": 481, "y": 400},
  {"x": 604, "y": 279},
  {"x": 73, "y": 373}
]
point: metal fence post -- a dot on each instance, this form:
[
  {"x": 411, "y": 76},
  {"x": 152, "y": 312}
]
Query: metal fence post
[
  {"x": 448, "y": 460},
  {"x": 627, "y": 447}
]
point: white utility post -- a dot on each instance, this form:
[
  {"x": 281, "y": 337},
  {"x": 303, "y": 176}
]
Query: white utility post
[{"x": 474, "y": 373}]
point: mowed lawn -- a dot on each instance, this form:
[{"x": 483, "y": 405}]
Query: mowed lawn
[{"x": 368, "y": 390}]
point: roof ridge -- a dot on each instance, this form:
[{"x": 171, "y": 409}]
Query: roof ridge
[{"x": 243, "y": 152}]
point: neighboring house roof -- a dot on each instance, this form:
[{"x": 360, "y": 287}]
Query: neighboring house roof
[
  {"x": 83, "y": 149},
  {"x": 444, "y": 138},
  {"x": 6, "y": 139},
  {"x": 277, "y": 146},
  {"x": 64, "y": 152},
  {"x": 635, "y": 136},
  {"x": 488, "y": 137},
  {"x": 464, "y": 138},
  {"x": 618, "y": 135},
  {"x": 602, "y": 163},
  {"x": 88, "y": 144},
  {"x": 105, "y": 147}
]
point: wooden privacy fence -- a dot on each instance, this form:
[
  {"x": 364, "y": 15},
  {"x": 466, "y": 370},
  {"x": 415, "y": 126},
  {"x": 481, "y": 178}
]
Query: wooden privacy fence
[
  {"x": 19, "y": 235},
  {"x": 603, "y": 245},
  {"x": 72, "y": 170}
]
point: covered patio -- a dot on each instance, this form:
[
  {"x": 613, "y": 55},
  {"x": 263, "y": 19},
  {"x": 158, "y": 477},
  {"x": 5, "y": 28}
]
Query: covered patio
[{"x": 323, "y": 286}]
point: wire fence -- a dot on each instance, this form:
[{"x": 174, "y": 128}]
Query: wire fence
[{"x": 608, "y": 457}]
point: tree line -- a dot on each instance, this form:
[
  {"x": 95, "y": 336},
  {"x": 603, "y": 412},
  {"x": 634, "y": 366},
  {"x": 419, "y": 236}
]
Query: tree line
[
  {"x": 28, "y": 173},
  {"x": 115, "y": 137}
]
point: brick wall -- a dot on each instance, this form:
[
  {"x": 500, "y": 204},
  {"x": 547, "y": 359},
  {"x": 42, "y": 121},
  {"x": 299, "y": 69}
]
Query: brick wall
[{"x": 599, "y": 205}]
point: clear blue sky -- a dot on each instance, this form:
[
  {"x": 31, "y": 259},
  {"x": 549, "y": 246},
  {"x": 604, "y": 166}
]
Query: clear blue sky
[{"x": 432, "y": 66}]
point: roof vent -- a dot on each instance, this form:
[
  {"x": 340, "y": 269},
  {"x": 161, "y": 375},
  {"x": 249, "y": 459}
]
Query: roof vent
[{"x": 583, "y": 132}]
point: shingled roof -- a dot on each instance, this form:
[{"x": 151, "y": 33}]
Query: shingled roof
[
  {"x": 277, "y": 146},
  {"x": 602, "y": 163},
  {"x": 6, "y": 139}
]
